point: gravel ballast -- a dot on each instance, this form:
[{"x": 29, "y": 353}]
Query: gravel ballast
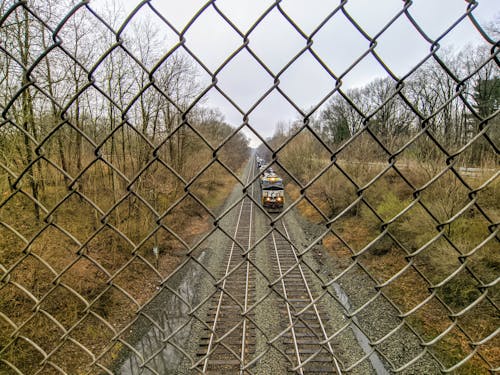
[{"x": 350, "y": 335}]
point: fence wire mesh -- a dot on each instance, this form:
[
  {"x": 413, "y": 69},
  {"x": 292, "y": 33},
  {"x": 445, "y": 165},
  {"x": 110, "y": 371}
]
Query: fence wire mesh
[{"x": 133, "y": 236}]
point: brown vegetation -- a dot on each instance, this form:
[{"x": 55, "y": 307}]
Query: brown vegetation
[
  {"x": 395, "y": 204},
  {"x": 431, "y": 265},
  {"x": 101, "y": 161}
]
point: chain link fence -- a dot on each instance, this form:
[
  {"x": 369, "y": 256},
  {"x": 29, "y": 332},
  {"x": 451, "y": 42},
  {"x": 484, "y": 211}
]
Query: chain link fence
[{"x": 120, "y": 192}]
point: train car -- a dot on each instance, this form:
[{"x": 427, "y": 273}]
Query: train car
[
  {"x": 272, "y": 192},
  {"x": 258, "y": 161}
]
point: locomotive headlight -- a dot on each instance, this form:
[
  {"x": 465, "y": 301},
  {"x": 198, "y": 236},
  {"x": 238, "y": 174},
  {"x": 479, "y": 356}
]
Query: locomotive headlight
[
  {"x": 279, "y": 199},
  {"x": 268, "y": 199}
]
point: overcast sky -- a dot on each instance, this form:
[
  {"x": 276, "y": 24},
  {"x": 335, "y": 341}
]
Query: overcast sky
[{"x": 338, "y": 43}]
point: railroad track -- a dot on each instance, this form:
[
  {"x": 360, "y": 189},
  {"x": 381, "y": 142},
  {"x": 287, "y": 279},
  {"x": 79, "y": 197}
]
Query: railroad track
[
  {"x": 229, "y": 340},
  {"x": 304, "y": 319}
]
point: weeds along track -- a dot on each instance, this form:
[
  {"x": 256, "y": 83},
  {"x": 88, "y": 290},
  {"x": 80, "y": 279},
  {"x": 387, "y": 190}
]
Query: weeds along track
[
  {"x": 304, "y": 318},
  {"x": 229, "y": 338}
]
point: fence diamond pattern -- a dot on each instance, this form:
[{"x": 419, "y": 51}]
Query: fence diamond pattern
[{"x": 114, "y": 255}]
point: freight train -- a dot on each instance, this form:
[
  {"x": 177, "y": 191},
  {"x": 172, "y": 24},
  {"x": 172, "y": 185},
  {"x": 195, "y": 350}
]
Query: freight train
[{"x": 272, "y": 191}]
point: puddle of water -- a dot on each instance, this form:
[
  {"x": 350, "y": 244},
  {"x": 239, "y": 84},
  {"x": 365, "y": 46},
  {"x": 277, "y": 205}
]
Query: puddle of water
[
  {"x": 362, "y": 339},
  {"x": 161, "y": 357}
]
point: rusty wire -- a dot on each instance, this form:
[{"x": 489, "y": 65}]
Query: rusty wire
[{"x": 18, "y": 182}]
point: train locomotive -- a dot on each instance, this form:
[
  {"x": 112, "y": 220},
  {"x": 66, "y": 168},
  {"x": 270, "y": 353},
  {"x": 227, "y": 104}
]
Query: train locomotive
[{"x": 272, "y": 191}]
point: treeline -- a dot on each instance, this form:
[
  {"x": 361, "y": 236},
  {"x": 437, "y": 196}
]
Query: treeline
[
  {"x": 75, "y": 91},
  {"x": 430, "y": 98},
  {"x": 452, "y": 103}
]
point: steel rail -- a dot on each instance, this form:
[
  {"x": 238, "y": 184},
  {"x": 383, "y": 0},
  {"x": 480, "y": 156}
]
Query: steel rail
[
  {"x": 247, "y": 276},
  {"x": 228, "y": 267},
  {"x": 287, "y": 304},
  {"x": 311, "y": 297}
]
